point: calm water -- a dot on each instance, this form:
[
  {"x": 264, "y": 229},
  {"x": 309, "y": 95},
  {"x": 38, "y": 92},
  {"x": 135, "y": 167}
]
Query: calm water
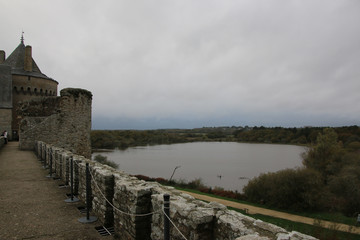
[{"x": 208, "y": 160}]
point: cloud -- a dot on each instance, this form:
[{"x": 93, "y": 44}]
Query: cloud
[{"x": 199, "y": 62}]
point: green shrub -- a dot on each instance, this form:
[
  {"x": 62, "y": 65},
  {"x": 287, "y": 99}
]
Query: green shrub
[
  {"x": 296, "y": 189},
  {"x": 103, "y": 160}
]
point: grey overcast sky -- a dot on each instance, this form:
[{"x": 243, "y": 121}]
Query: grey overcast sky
[{"x": 192, "y": 63}]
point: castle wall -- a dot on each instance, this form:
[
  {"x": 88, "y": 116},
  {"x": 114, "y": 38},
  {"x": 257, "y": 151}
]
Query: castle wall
[
  {"x": 64, "y": 121},
  {"x": 2, "y": 142},
  {"x": 5, "y": 121},
  {"x": 26, "y": 88},
  {"x": 5, "y": 99},
  {"x": 6, "y": 87},
  {"x": 133, "y": 199}
]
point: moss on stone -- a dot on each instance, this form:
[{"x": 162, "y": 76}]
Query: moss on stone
[{"x": 75, "y": 92}]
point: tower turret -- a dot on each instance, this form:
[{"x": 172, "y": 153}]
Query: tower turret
[{"x": 28, "y": 82}]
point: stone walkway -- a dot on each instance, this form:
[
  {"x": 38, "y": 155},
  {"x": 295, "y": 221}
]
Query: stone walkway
[{"x": 32, "y": 206}]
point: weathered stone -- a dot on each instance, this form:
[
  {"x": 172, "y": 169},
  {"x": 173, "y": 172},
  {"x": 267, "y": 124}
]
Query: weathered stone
[
  {"x": 63, "y": 121},
  {"x": 269, "y": 227},
  {"x": 135, "y": 207},
  {"x": 133, "y": 200},
  {"x": 294, "y": 236},
  {"x": 231, "y": 224},
  {"x": 252, "y": 237}
]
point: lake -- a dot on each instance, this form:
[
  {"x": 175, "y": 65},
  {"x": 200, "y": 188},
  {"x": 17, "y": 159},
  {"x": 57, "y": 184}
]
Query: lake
[{"x": 229, "y": 165}]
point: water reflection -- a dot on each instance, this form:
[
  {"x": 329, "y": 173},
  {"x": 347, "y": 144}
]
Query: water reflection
[{"x": 224, "y": 164}]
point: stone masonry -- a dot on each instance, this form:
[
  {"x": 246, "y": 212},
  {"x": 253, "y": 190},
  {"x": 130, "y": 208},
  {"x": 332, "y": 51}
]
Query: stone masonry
[
  {"x": 2, "y": 142},
  {"x": 5, "y": 99},
  {"x": 63, "y": 121},
  {"x": 135, "y": 207}
]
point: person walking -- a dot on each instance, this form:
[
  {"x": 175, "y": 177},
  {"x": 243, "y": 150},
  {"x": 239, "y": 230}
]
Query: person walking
[{"x": 5, "y": 137}]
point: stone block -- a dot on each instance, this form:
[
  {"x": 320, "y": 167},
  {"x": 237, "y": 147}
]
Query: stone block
[{"x": 138, "y": 206}]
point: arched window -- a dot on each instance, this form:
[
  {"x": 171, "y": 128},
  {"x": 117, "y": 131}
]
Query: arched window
[
  {"x": 15, "y": 88},
  {"x": 46, "y": 92},
  {"x": 41, "y": 91},
  {"x": 35, "y": 90}
]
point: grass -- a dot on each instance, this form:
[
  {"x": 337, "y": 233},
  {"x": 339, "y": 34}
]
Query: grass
[
  {"x": 333, "y": 217},
  {"x": 312, "y": 230},
  {"x": 103, "y": 160}
]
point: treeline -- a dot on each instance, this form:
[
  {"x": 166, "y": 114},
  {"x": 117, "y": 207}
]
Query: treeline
[
  {"x": 122, "y": 139},
  {"x": 328, "y": 181},
  {"x": 110, "y": 139},
  {"x": 304, "y": 135}
]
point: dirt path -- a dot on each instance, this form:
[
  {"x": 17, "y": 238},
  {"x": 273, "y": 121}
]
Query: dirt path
[{"x": 287, "y": 216}]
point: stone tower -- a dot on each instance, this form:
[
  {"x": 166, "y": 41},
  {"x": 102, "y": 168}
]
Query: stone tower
[
  {"x": 20, "y": 80},
  {"x": 6, "y": 105}
]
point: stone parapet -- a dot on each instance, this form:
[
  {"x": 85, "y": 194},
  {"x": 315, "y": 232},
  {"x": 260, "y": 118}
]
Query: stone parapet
[
  {"x": 135, "y": 207},
  {"x": 103, "y": 191},
  {"x": 133, "y": 199}
]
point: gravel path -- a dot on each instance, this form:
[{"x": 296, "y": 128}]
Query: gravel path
[
  {"x": 32, "y": 206},
  {"x": 287, "y": 216}
]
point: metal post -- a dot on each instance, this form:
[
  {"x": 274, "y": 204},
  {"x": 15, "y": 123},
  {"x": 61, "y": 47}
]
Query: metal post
[
  {"x": 67, "y": 159},
  {"x": 36, "y": 150},
  {"x": 55, "y": 164},
  {"x": 88, "y": 218},
  {"x": 87, "y": 192},
  {"x": 40, "y": 151},
  {"x": 61, "y": 166},
  {"x": 50, "y": 164},
  {"x": 72, "y": 198},
  {"x": 166, "y": 217},
  {"x": 44, "y": 150},
  {"x": 72, "y": 178}
]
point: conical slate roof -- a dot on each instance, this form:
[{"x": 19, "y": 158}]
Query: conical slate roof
[{"x": 17, "y": 63}]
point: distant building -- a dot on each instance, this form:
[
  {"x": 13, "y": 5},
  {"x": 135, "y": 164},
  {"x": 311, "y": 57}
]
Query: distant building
[{"x": 20, "y": 80}]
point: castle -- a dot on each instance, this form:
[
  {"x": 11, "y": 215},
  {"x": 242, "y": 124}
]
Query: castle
[
  {"x": 20, "y": 80},
  {"x": 30, "y": 109}
]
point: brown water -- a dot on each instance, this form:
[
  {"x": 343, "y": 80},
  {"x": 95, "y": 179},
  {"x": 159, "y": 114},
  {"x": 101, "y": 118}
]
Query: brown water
[{"x": 234, "y": 162}]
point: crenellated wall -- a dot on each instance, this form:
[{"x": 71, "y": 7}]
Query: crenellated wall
[
  {"x": 134, "y": 207},
  {"x": 64, "y": 121}
]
